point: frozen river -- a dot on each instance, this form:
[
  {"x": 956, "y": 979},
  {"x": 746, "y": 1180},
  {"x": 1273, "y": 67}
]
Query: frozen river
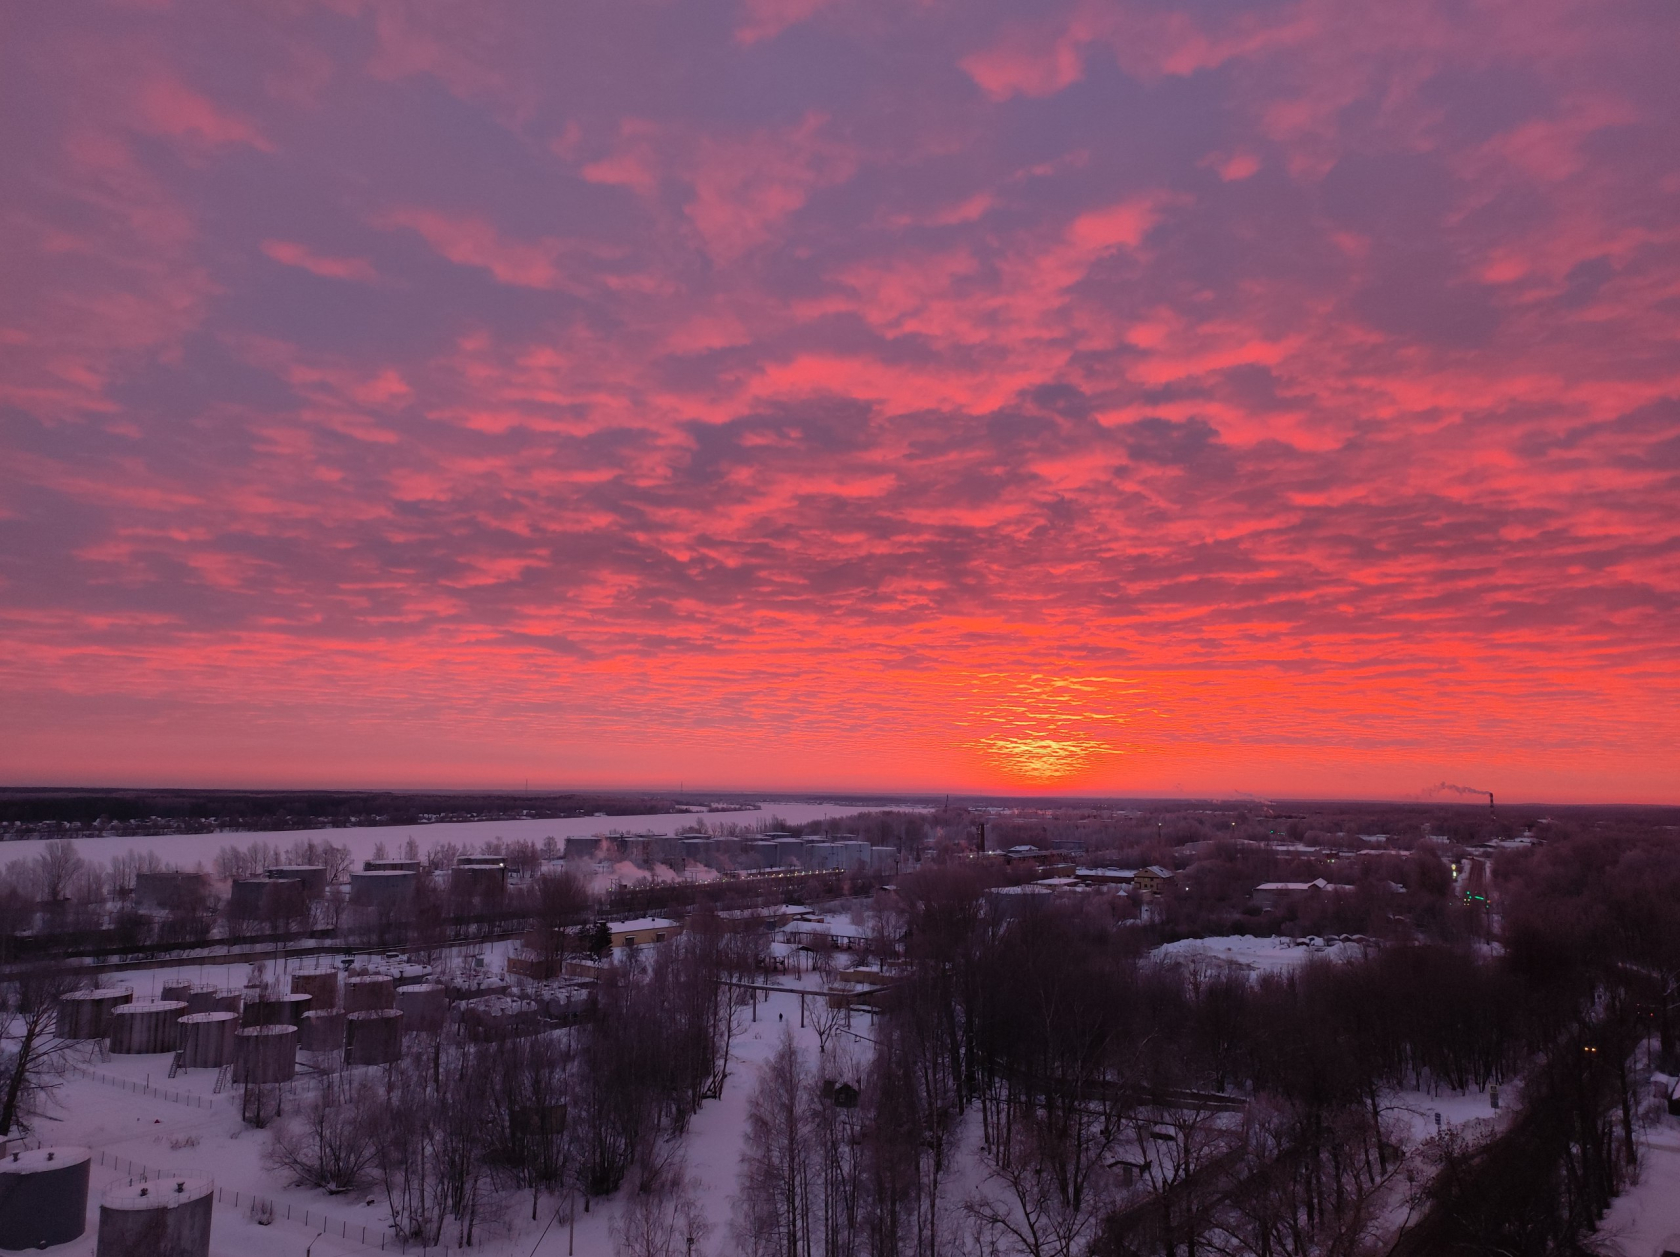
[{"x": 187, "y": 850}]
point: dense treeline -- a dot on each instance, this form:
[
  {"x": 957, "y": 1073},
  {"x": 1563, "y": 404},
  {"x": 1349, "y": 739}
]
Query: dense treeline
[
  {"x": 28, "y": 813},
  {"x": 1121, "y": 1106}
]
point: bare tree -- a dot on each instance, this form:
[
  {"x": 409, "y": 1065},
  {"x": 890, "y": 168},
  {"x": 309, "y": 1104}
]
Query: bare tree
[
  {"x": 29, "y": 1051},
  {"x": 828, "y": 1012},
  {"x": 1046, "y": 1187},
  {"x": 57, "y": 866},
  {"x": 662, "y": 1219},
  {"x": 528, "y": 1080},
  {"x": 773, "y": 1208},
  {"x": 330, "y": 1143}
]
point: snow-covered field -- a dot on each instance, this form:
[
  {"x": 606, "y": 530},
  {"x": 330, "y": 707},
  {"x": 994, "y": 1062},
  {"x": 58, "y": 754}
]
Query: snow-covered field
[
  {"x": 1248, "y": 954},
  {"x": 188, "y": 850}
]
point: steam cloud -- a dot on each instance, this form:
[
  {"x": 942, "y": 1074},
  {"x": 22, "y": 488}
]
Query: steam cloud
[{"x": 1447, "y": 787}]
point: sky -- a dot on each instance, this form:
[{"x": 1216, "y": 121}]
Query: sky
[{"x": 1209, "y": 398}]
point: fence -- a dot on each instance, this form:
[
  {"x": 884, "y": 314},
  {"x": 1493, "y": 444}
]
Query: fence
[{"x": 140, "y": 1088}]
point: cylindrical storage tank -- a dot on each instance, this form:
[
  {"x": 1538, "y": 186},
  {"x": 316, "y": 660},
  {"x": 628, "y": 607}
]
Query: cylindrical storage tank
[
  {"x": 374, "y": 1036},
  {"x": 321, "y": 985},
  {"x": 228, "y": 1002},
  {"x": 322, "y": 1031},
  {"x": 390, "y": 892},
  {"x": 312, "y": 877},
  {"x": 43, "y": 1197},
  {"x": 165, "y": 1217},
  {"x": 264, "y": 1054},
  {"x": 274, "y": 1010},
  {"x": 153, "y": 1026},
  {"x": 203, "y": 999},
  {"x": 424, "y": 1007},
  {"x": 207, "y": 1039},
  {"x": 372, "y": 991},
  {"x": 87, "y": 1014},
  {"x": 249, "y": 899},
  {"x": 176, "y": 990}
]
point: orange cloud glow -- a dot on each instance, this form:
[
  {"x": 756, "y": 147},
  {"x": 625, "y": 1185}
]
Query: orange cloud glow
[{"x": 1077, "y": 396}]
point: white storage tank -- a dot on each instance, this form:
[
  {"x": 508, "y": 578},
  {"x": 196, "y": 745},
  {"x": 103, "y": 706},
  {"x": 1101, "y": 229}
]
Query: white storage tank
[
  {"x": 475, "y": 988},
  {"x": 207, "y": 1039},
  {"x": 162, "y": 1217},
  {"x": 152, "y": 1026},
  {"x": 409, "y": 975},
  {"x": 43, "y": 1197},
  {"x": 265, "y": 1054},
  {"x": 87, "y": 1014}
]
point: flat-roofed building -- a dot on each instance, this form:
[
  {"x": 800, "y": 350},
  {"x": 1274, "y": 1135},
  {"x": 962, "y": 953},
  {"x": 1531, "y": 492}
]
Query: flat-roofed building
[{"x": 643, "y": 931}]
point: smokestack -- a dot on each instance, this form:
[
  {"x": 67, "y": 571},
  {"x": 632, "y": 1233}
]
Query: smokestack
[{"x": 1491, "y": 812}]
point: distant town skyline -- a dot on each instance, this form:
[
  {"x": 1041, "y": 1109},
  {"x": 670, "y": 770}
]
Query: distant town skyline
[{"x": 1098, "y": 398}]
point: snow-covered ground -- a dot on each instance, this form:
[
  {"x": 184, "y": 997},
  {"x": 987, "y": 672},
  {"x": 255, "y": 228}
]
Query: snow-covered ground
[
  {"x": 1642, "y": 1218},
  {"x": 187, "y": 850},
  {"x": 180, "y": 1124},
  {"x": 1250, "y": 954}
]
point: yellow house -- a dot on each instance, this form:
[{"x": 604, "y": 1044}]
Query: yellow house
[{"x": 1150, "y": 880}]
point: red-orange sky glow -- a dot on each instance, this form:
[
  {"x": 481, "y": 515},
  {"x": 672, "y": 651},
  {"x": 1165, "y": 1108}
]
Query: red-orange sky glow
[{"x": 1277, "y": 397}]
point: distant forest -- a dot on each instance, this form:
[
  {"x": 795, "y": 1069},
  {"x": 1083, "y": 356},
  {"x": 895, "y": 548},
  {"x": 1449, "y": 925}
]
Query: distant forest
[{"x": 43, "y": 813}]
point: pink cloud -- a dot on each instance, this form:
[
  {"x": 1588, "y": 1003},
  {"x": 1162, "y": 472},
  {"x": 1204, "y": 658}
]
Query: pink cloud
[
  {"x": 765, "y": 19},
  {"x": 166, "y": 106},
  {"x": 476, "y": 242},
  {"x": 923, "y": 404},
  {"x": 290, "y": 253}
]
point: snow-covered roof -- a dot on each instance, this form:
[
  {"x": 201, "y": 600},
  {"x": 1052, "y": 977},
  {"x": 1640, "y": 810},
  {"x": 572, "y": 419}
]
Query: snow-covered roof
[
  {"x": 834, "y": 929},
  {"x": 640, "y": 923}
]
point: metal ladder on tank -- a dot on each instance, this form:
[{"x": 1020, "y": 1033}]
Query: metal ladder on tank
[
  {"x": 223, "y": 1075},
  {"x": 177, "y": 1062}
]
